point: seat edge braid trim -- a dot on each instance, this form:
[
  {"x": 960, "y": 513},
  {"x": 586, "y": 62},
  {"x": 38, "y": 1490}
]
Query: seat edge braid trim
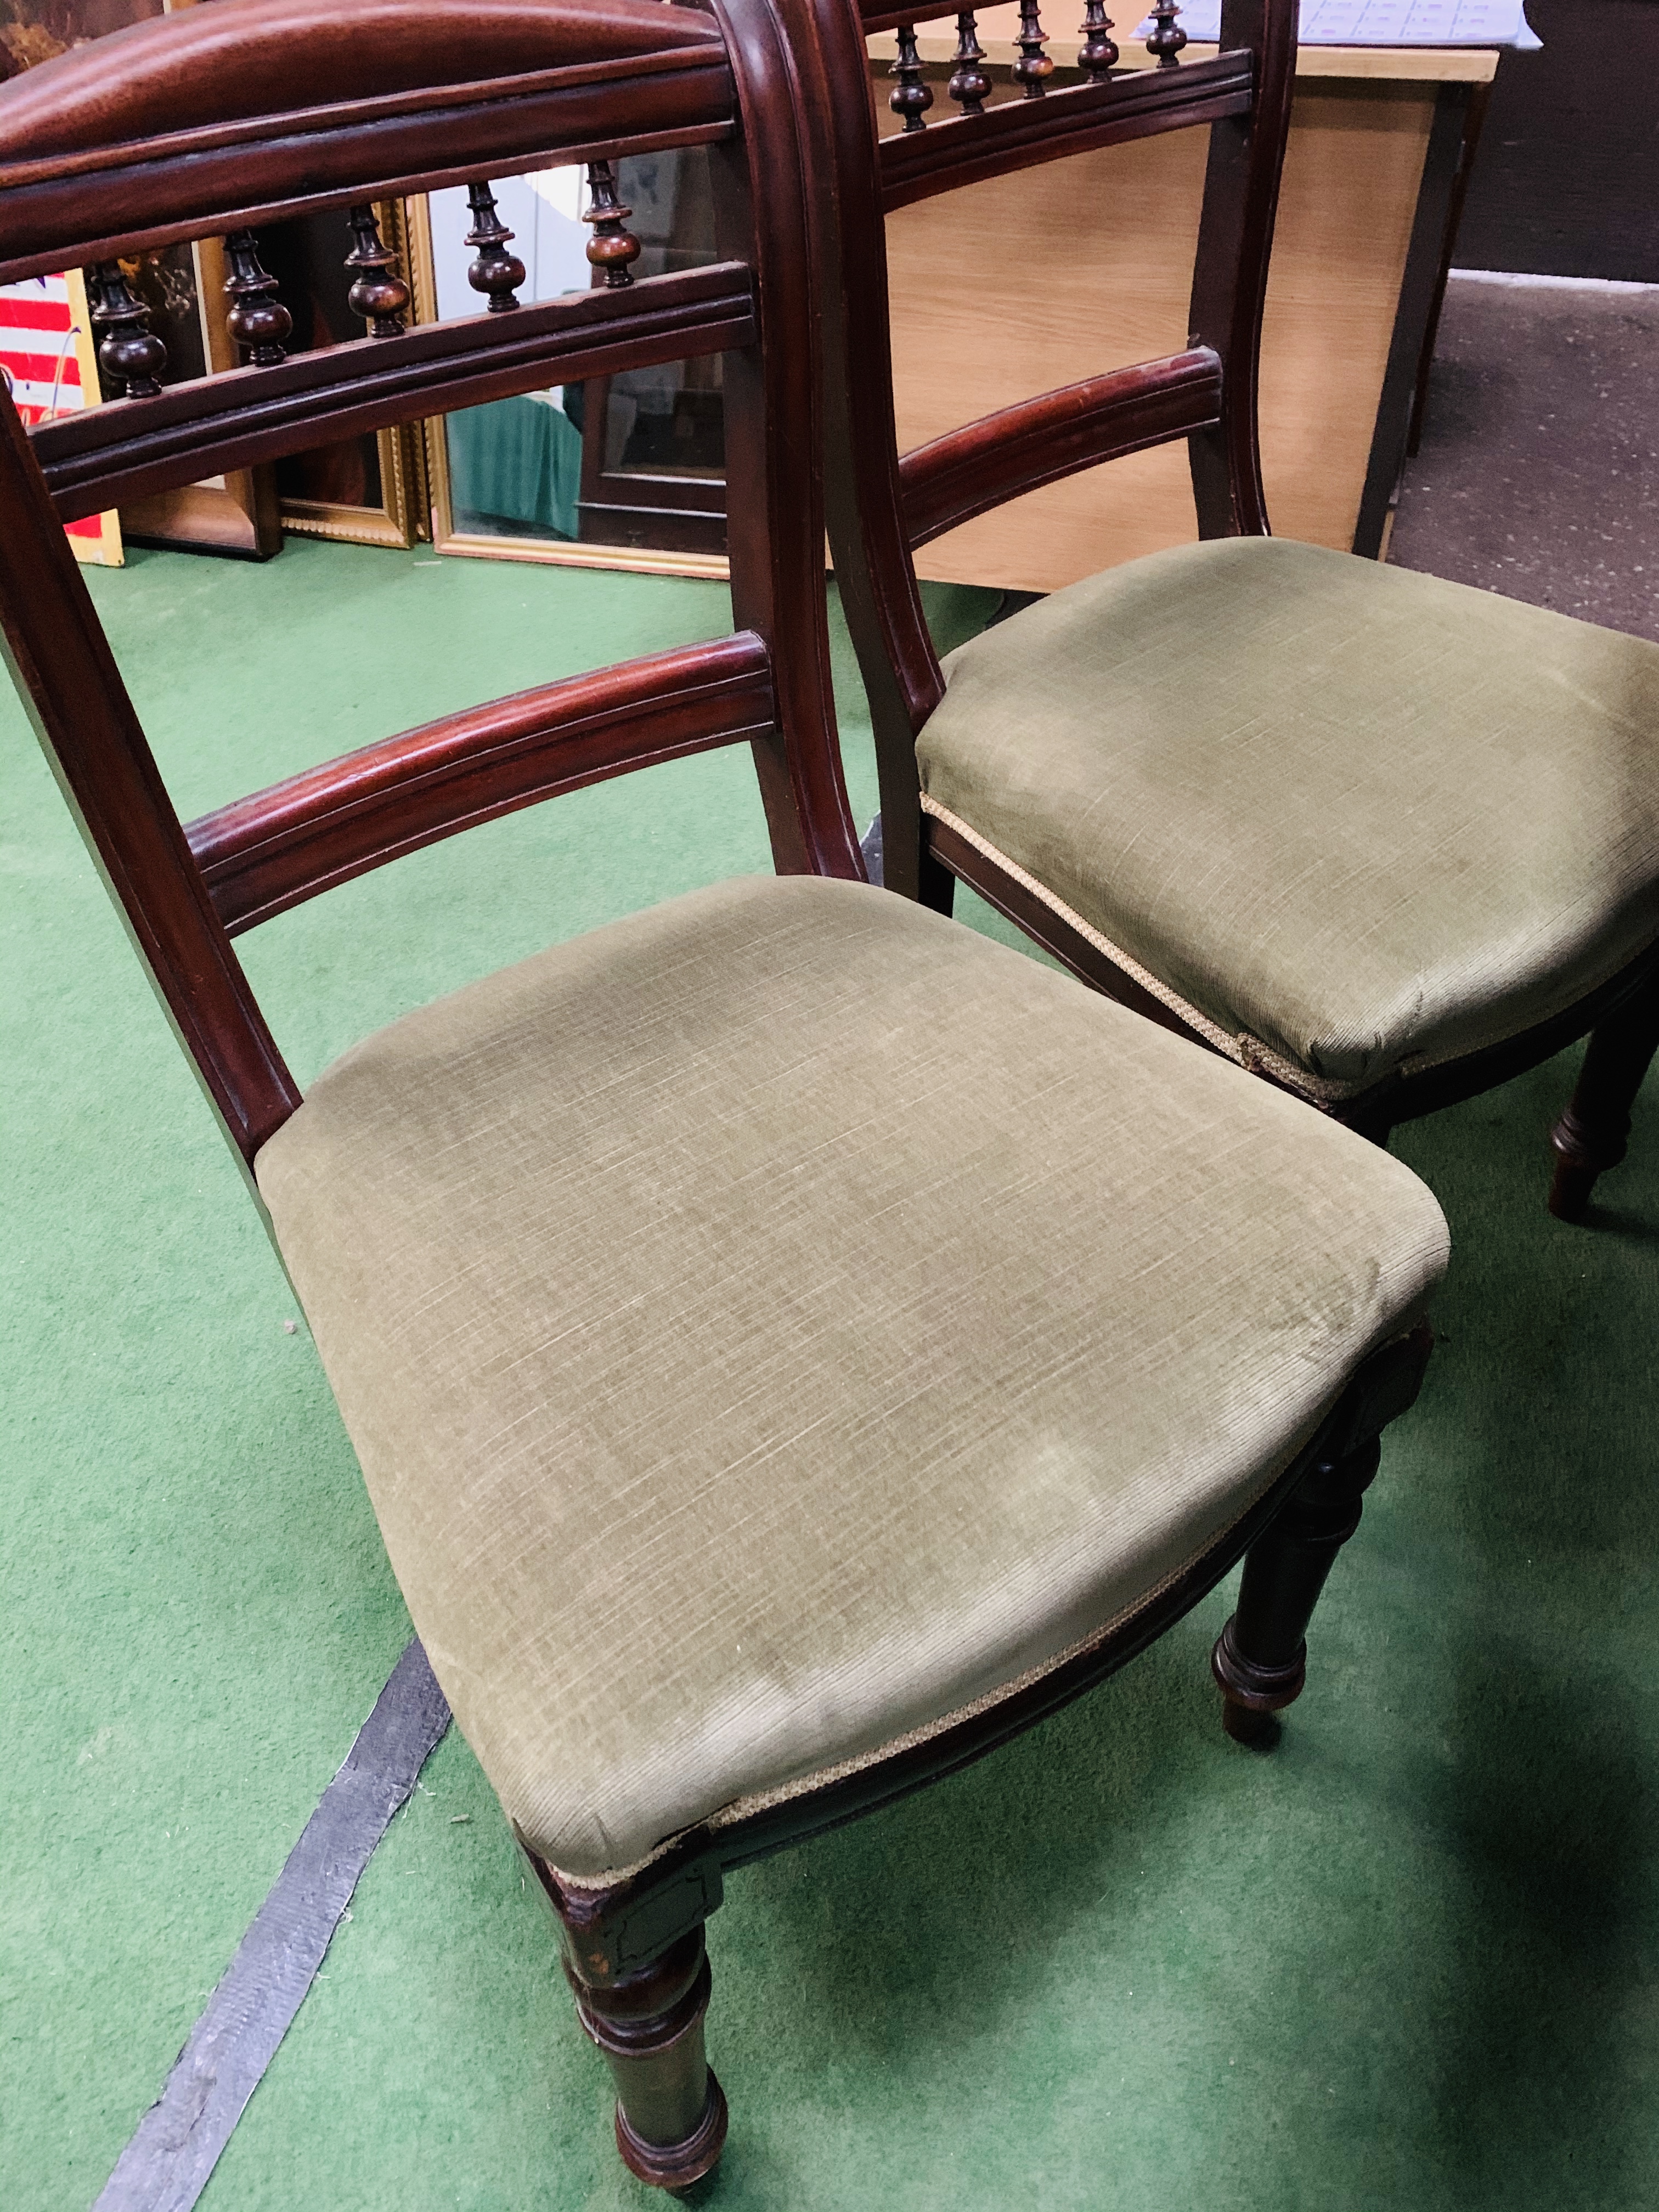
[
  {"x": 1245, "y": 1050},
  {"x": 745, "y": 1807}
]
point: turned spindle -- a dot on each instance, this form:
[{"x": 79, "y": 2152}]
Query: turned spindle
[
  {"x": 1034, "y": 66},
  {"x": 1168, "y": 38},
  {"x": 131, "y": 356},
  {"x": 612, "y": 245},
  {"x": 494, "y": 270},
  {"x": 1099, "y": 53},
  {"x": 378, "y": 294},
  {"x": 968, "y": 83},
  {"x": 911, "y": 97},
  {"x": 257, "y": 319}
]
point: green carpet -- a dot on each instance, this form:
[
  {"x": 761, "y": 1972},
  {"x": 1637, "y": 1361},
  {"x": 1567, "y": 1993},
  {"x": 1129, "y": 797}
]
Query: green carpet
[{"x": 1410, "y": 1960}]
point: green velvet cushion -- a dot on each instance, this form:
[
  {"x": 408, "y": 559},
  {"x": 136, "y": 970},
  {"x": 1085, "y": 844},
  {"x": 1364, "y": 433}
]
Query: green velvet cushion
[
  {"x": 779, "y": 1318},
  {"x": 1366, "y": 818}
]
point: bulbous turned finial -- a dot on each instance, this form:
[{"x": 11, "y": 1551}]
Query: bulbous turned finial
[
  {"x": 129, "y": 353},
  {"x": 494, "y": 270},
  {"x": 378, "y": 295},
  {"x": 1168, "y": 38},
  {"x": 257, "y": 320},
  {"x": 1034, "y": 67},
  {"x": 968, "y": 83},
  {"x": 613, "y": 245},
  {"x": 912, "y": 97},
  {"x": 1099, "y": 53}
]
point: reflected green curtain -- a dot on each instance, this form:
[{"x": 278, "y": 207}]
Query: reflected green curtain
[{"x": 519, "y": 459}]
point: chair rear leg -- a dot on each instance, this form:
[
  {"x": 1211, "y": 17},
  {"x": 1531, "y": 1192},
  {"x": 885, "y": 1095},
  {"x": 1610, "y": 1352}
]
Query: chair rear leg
[
  {"x": 1590, "y": 1136},
  {"x": 670, "y": 2110},
  {"x": 1259, "y": 1659},
  {"x": 937, "y": 887}
]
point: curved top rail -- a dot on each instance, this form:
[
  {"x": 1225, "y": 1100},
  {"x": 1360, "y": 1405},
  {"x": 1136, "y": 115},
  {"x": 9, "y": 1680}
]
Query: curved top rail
[
  {"x": 240, "y": 60},
  {"x": 251, "y": 110},
  {"x": 889, "y": 19}
]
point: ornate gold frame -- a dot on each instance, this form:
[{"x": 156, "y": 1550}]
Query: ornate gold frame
[{"x": 404, "y": 516}]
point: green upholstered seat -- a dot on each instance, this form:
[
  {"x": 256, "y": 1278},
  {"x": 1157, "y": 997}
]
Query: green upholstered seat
[
  {"x": 773, "y": 1321},
  {"x": 1348, "y": 820}
]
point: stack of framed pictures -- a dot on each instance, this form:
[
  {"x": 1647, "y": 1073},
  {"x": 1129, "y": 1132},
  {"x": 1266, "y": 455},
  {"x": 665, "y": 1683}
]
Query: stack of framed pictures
[{"x": 48, "y": 365}]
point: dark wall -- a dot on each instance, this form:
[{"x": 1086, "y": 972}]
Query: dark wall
[{"x": 1566, "y": 182}]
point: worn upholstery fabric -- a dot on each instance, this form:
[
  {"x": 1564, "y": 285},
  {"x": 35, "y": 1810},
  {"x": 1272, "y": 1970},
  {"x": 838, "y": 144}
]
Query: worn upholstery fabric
[
  {"x": 1364, "y": 818},
  {"x": 772, "y": 1321}
]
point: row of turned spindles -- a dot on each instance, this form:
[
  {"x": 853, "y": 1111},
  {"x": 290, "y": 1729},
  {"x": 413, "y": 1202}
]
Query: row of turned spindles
[
  {"x": 132, "y": 358},
  {"x": 1098, "y": 55}
]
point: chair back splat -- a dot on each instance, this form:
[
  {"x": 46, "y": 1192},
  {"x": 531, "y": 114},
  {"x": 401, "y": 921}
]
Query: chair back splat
[
  {"x": 882, "y": 505},
  {"x": 215, "y": 121}
]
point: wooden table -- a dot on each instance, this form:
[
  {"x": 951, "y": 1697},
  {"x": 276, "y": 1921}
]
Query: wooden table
[{"x": 1011, "y": 288}]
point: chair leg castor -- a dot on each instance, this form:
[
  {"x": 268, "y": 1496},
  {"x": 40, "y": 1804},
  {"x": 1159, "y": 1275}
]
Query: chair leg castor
[
  {"x": 676, "y": 2165},
  {"x": 1254, "y": 1697},
  {"x": 1575, "y": 1174}
]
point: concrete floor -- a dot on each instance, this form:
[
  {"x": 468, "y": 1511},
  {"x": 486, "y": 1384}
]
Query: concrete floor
[{"x": 1539, "y": 471}]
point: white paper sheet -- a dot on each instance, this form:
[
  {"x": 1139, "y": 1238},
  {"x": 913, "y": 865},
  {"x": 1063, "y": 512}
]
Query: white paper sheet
[{"x": 1382, "y": 23}]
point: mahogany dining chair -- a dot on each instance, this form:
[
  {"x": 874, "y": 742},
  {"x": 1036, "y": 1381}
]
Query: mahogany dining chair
[
  {"x": 721, "y": 1521},
  {"x": 1384, "y": 840}
]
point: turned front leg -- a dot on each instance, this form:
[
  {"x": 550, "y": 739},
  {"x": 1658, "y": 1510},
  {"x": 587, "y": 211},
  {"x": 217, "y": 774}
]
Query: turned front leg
[
  {"x": 1590, "y": 1136},
  {"x": 1260, "y": 1659},
  {"x": 671, "y": 2111}
]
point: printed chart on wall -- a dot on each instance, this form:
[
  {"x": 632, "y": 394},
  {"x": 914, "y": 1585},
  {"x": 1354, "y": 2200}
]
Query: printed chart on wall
[{"x": 47, "y": 360}]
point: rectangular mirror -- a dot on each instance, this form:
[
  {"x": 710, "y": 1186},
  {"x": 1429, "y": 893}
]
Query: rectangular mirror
[{"x": 623, "y": 471}]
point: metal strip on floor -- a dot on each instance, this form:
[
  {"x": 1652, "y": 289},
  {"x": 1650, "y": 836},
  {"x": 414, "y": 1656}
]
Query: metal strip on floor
[{"x": 165, "y": 2167}]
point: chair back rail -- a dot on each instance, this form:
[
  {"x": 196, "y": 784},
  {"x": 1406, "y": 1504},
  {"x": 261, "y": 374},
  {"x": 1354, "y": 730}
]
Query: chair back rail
[
  {"x": 881, "y": 504},
  {"x": 265, "y": 854},
  {"x": 253, "y": 112},
  {"x": 1018, "y": 134},
  {"x": 966, "y": 473},
  {"x": 889, "y": 19},
  {"x": 103, "y": 455},
  {"x": 177, "y": 127}
]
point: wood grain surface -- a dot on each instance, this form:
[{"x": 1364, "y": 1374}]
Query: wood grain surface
[{"x": 1116, "y": 280}]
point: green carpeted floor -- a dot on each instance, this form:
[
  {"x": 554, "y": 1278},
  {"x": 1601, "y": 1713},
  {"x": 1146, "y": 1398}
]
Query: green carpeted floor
[{"x": 1411, "y": 1960}]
